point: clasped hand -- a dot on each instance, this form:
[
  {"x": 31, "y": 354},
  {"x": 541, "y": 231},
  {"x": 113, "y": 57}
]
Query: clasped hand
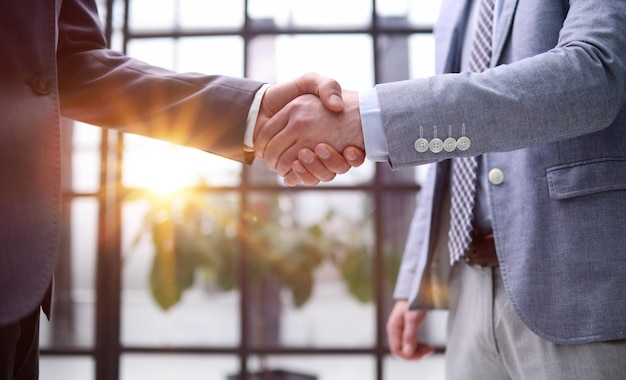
[{"x": 308, "y": 130}]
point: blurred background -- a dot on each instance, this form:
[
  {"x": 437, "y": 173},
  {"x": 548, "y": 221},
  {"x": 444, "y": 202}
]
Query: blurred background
[{"x": 177, "y": 264}]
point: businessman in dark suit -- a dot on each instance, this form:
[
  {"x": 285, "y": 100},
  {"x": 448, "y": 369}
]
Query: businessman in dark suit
[{"x": 55, "y": 63}]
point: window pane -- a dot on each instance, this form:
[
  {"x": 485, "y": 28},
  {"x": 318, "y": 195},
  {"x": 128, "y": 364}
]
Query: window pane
[
  {"x": 172, "y": 14},
  {"x": 67, "y": 368},
  {"x": 318, "y": 14},
  {"x": 84, "y": 257},
  {"x": 72, "y": 324},
  {"x": 311, "y": 260},
  {"x": 346, "y": 58},
  {"x": 406, "y": 57},
  {"x": 422, "y": 55},
  {"x": 197, "y": 54},
  {"x": 180, "y": 271},
  {"x": 431, "y": 367},
  {"x": 396, "y": 213},
  {"x": 342, "y": 367},
  {"x": 163, "y": 167},
  {"x": 167, "y": 367},
  {"x": 211, "y": 13},
  {"x": 86, "y": 158},
  {"x": 155, "y": 51},
  {"x": 211, "y": 55},
  {"x": 417, "y": 12},
  {"x": 117, "y": 38},
  {"x": 143, "y": 14}
]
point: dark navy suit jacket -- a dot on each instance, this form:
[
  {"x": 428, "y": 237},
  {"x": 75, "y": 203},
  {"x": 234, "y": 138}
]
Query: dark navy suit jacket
[{"x": 54, "y": 63}]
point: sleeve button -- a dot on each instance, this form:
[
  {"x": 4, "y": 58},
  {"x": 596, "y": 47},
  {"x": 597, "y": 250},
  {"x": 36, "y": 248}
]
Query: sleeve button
[
  {"x": 449, "y": 144},
  {"x": 436, "y": 145},
  {"x": 421, "y": 145},
  {"x": 463, "y": 143}
]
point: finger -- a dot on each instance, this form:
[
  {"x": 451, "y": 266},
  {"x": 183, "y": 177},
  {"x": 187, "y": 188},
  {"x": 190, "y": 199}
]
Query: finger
[
  {"x": 304, "y": 175},
  {"x": 291, "y": 179},
  {"x": 287, "y": 154},
  {"x": 354, "y": 156},
  {"x": 315, "y": 167},
  {"x": 394, "y": 337},
  {"x": 328, "y": 90},
  {"x": 422, "y": 350},
  {"x": 395, "y": 326},
  {"x": 409, "y": 334},
  {"x": 268, "y": 131},
  {"x": 331, "y": 159},
  {"x": 299, "y": 175}
]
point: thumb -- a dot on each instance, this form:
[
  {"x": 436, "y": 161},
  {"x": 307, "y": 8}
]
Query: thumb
[
  {"x": 328, "y": 90},
  {"x": 330, "y": 94}
]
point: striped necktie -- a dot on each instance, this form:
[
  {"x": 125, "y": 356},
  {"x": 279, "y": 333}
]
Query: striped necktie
[{"x": 463, "y": 191}]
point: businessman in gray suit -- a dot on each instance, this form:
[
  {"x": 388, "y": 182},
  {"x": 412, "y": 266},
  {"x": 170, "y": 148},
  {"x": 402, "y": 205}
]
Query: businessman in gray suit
[
  {"x": 540, "y": 292},
  {"x": 55, "y": 63}
]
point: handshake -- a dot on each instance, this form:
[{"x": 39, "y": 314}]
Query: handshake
[{"x": 308, "y": 130}]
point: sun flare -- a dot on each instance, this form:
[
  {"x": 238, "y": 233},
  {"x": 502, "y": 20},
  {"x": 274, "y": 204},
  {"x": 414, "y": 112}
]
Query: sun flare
[{"x": 162, "y": 171}]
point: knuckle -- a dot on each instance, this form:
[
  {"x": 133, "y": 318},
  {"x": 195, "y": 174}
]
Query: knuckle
[{"x": 300, "y": 123}]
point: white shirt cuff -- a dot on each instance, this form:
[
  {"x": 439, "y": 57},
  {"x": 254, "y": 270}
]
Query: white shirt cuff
[
  {"x": 253, "y": 113},
  {"x": 372, "y": 123}
]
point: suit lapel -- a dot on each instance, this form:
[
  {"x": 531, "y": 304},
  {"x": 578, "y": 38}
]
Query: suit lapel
[{"x": 503, "y": 29}]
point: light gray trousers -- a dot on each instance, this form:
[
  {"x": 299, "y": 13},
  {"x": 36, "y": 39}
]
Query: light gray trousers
[{"x": 488, "y": 341}]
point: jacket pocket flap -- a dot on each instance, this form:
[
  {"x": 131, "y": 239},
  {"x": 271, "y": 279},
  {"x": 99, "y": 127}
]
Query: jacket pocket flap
[{"x": 588, "y": 177}]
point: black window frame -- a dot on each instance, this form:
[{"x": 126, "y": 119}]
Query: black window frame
[{"x": 108, "y": 349}]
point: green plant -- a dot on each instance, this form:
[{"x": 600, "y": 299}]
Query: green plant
[{"x": 195, "y": 233}]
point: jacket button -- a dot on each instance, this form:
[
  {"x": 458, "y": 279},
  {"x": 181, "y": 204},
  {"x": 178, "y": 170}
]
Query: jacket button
[
  {"x": 496, "y": 177},
  {"x": 41, "y": 86}
]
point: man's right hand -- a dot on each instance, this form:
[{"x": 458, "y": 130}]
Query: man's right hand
[{"x": 402, "y": 327}]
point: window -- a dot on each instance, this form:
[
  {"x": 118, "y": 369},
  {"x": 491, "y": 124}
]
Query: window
[{"x": 263, "y": 276}]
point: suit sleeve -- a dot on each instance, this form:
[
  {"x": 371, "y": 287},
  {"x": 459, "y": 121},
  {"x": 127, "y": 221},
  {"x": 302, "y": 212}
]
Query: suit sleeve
[
  {"x": 572, "y": 86},
  {"x": 103, "y": 87}
]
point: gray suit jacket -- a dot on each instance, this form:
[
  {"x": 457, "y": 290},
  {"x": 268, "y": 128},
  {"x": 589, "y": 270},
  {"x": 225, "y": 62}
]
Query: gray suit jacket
[
  {"x": 54, "y": 62},
  {"x": 552, "y": 117}
]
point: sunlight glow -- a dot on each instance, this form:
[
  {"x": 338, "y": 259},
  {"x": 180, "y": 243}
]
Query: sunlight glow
[
  {"x": 150, "y": 163},
  {"x": 163, "y": 172}
]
